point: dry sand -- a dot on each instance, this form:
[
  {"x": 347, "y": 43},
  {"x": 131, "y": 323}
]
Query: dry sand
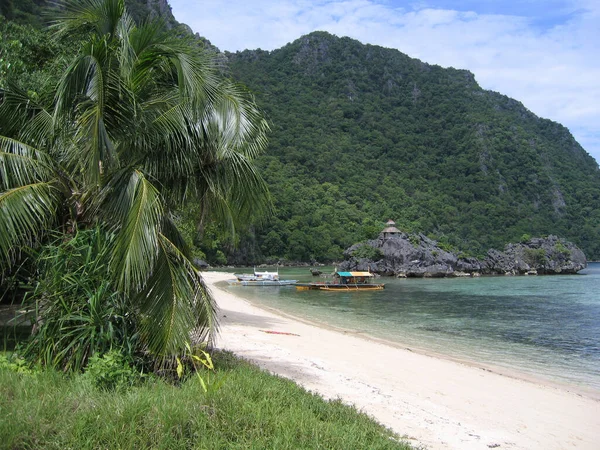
[{"x": 436, "y": 403}]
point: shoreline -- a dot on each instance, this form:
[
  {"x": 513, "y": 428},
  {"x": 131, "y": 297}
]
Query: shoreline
[
  {"x": 590, "y": 393},
  {"x": 436, "y": 401},
  {"x": 511, "y": 372}
]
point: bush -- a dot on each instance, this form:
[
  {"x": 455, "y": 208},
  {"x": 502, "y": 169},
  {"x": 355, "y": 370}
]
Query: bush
[
  {"x": 368, "y": 252},
  {"x": 78, "y": 312},
  {"x": 414, "y": 240},
  {"x": 535, "y": 256},
  {"x": 15, "y": 364},
  {"x": 559, "y": 247},
  {"x": 111, "y": 371}
]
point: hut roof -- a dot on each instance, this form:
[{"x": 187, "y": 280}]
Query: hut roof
[
  {"x": 391, "y": 230},
  {"x": 390, "y": 222}
]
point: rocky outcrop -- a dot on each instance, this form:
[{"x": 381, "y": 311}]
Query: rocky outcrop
[
  {"x": 543, "y": 256},
  {"x": 417, "y": 255}
]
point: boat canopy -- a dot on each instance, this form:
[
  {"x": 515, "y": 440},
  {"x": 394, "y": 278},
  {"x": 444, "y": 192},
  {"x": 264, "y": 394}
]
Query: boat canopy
[{"x": 355, "y": 274}]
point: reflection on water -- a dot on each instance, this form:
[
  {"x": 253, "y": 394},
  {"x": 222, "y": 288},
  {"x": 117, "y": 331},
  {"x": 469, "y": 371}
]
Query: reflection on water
[{"x": 548, "y": 326}]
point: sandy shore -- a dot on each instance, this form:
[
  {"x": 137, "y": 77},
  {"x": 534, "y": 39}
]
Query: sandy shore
[{"x": 436, "y": 403}]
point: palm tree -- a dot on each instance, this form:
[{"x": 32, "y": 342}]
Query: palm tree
[{"x": 140, "y": 122}]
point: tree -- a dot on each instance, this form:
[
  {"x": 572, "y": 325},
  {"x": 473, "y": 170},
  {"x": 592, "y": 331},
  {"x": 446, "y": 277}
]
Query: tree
[{"x": 139, "y": 122}]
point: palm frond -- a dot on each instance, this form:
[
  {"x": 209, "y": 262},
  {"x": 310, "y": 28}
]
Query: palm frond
[
  {"x": 172, "y": 233},
  {"x": 40, "y": 129},
  {"x": 26, "y": 212},
  {"x": 101, "y": 17},
  {"x": 234, "y": 188},
  {"x": 21, "y": 164},
  {"x": 16, "y": 110},
  {"x": 237, "y": 121},
  {"x": 174, "y": 302},
  {"x": 84, "y": 85},
  {"x": 137, "y": 210}
]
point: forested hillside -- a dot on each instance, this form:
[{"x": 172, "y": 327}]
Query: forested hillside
[
  {"x": 361, "y": 134},
  {"x": 35, "y": 12}
]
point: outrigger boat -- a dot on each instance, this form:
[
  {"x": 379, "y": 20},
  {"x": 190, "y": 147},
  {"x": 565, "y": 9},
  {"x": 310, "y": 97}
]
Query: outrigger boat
[
  {"x": 260, "y": 279},
  {"x": 345, "y": 281}
]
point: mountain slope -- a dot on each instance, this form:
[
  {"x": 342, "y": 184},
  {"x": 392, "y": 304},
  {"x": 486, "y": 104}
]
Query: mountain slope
[{"x": 363, "y": 133}]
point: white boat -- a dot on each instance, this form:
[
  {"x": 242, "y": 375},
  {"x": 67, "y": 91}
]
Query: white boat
[
  {"x": 262, "y": 282},
  {"x": 260, "y": 279}
]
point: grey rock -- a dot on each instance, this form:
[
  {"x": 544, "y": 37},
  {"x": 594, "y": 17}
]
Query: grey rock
[
  {"x": 416, "y": 255},
  {"x": 544, "y": 256},
  {"x": 201, "y": 264}
]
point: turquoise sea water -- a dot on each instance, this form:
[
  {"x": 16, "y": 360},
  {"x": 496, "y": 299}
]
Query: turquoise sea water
[{"x": 545, "y": 326}]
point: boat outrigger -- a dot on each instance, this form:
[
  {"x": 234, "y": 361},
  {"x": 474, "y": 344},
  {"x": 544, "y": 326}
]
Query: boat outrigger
[
  {"x": 345, "y": 281},
  {"x": 260, "y": 279}
]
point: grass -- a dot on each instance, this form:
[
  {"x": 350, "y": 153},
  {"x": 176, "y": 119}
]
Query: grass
[{"x": 252, "y": 410}]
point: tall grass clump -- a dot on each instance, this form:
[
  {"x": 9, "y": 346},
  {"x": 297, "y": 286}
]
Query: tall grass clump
[{"x": 78, "y": 312}]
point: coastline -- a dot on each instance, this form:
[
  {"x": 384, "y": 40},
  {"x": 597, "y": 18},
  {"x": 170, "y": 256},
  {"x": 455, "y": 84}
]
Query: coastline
[{"x": 438, "y": 403}]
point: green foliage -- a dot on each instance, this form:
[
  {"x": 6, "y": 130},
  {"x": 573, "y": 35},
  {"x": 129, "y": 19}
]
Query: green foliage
[
  {"x": 535, "y": 256},
  {"x": 16, "y": 364},
  {"x": 139, "y": 119},
  {"x": 414, "y": 240},
  {"x": 361, "y": 134},
  {"x": 366, "y": 251},
  {"x": 32, "y": 58},
  {"x": 446, "y": 246},
  {"x": 24, "y": 11},
  {"x": 111, "y": 371},
  {"x": 252, "y": 410},
  {"x": 79, "y": 312},
  {"x": 203, "y": 369},
  {"x": 559, "y": 247}
]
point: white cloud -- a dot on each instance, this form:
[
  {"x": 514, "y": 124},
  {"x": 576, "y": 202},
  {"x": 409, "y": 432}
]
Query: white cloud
[{"x": 553, "y": 71}]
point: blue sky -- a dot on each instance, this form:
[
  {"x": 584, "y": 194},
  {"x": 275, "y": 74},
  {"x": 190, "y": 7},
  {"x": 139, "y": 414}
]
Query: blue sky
[{"x": 546, "y": 54}]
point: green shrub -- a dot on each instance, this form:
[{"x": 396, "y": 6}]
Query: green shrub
[
  {"x": 446, "y": 246},
  {"x": 15, "y": 364},
  {"x": 559, "y": 247},
  {"x": 414, "y": 240},
  {"x": 368, "y": 252},
  {"x": 111, "y": 371},
  {"x": 78, "y": 312},
  {"x": 535, "y": 256}
]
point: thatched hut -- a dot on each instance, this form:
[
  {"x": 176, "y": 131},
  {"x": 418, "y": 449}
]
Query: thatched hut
[{"x": 390, "y": 230}]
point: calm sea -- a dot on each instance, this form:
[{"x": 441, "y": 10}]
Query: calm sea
[{"x": 545, "y": 326}]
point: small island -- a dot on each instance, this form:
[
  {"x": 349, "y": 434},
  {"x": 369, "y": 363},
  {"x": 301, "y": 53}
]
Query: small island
[{"x": 395, "y": 253}]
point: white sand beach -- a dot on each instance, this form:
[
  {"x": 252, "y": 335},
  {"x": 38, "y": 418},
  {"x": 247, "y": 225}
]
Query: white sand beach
[{"x": 436, "y": 403}]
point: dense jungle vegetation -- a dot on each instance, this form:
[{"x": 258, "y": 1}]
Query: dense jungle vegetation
[
  {"x": 361, "y": 134},
  {"x": 107, "y": 128}
]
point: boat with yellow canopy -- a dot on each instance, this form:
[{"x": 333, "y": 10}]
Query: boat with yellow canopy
[{"x": 344, "y": 281}]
